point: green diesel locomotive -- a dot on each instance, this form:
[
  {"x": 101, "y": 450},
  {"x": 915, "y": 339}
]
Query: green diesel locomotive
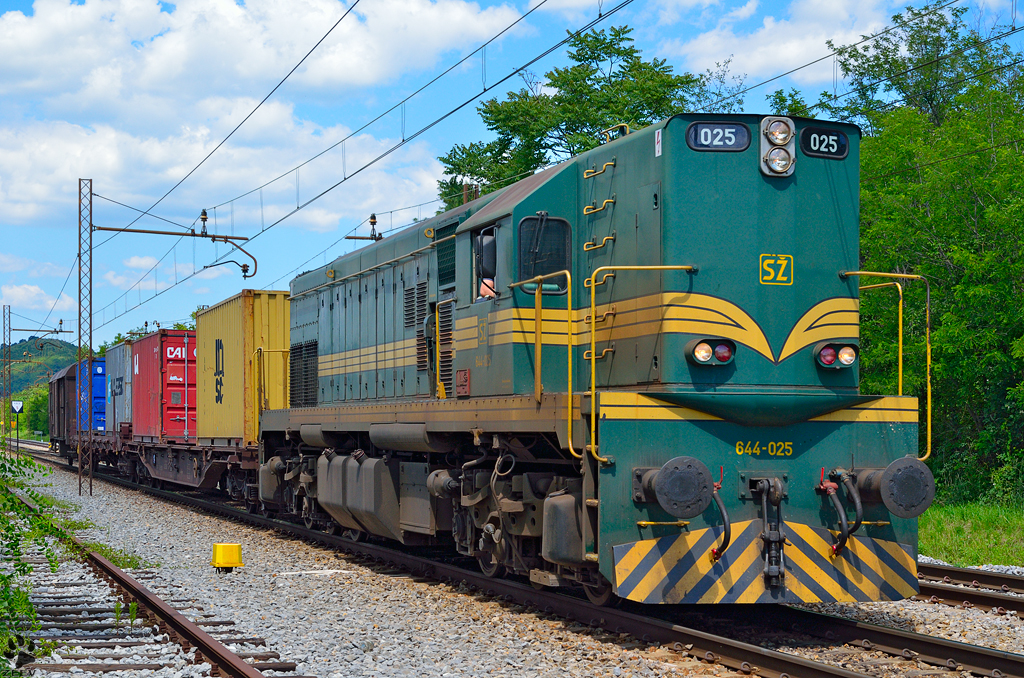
[{"x": 635, "y": 372}]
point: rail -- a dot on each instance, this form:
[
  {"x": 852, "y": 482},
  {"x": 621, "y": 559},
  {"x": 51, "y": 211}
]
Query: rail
[
  {"x": 609, "y": 272},
  {"x": 899, "y": 341},
  {"x": 538, "y": 342},
  {"x": 927, "y": 336},
  {"x": 225, "y": 661}
]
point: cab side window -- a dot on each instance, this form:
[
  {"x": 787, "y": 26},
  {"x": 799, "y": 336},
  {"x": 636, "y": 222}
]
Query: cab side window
[
  {"x": 485, "y": 255},
  {"x": 545, "y": 247}
]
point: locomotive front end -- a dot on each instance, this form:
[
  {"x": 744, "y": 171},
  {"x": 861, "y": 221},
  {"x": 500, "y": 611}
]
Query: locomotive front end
[{"x": 736, "y": 458}]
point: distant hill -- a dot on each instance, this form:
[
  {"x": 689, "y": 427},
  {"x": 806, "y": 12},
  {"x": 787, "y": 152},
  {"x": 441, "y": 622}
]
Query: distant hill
[{"x": 54, "y": 355}]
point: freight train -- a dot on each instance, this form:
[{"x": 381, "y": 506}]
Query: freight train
[{"x": 635, "y": 372}]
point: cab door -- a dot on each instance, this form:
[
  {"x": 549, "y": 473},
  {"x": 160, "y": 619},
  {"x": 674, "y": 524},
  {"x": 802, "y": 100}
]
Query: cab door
[{"x": 647, "y": 285}]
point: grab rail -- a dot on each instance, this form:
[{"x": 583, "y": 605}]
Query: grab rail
[
  {"x": 609, "y": 271},
  {"x": 591, "y": 173},
  {"x": 927, "y": 335},
  {"x": 538, "y": 326}
]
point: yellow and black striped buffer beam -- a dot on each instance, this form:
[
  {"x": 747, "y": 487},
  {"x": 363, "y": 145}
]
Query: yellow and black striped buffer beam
[{"x": 678, "y": 568}]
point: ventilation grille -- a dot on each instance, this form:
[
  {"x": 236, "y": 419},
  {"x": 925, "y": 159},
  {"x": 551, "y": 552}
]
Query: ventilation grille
[
  {"x": 445, "y": 332},
  {"x": 445, "y": 255},
  {"x": 409, "y": 306},
  {"x": 303, "y": 363},
  {"x": 422, "y": 359}
]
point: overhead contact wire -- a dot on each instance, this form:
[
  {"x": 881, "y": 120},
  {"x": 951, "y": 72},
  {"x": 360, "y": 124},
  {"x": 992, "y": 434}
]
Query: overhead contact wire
[
  {"x": 390, "y": 110},
  {"x": 251, "y": 113},
  {"x": 391, "y": 150}
]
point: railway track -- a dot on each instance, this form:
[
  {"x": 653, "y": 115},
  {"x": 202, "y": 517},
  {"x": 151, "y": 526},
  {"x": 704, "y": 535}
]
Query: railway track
[
  {"x": 968, "y": 587},
  {"x": 671, "y": 628},
  {"x": 93, "y": 618}
]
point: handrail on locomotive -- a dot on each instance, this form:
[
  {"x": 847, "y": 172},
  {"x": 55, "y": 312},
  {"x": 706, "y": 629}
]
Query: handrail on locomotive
[
  {"x": 538, "y": 332},
  {"x": 927, "y": 336},
  {"x": 609, "y": 271}
]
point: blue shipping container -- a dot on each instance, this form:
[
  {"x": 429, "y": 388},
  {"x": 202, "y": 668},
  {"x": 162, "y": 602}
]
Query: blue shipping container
[{"x": 98, "y": 383}]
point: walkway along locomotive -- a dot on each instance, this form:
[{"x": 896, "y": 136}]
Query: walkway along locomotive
[{"x": 636, "y": 371}]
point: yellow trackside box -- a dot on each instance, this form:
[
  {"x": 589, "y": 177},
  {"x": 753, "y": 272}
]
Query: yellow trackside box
[
  {"x": 227, "y": 556},
  {"x": 241, "y": 365}
]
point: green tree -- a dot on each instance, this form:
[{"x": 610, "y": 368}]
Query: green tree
[
  {"x": 37, "y": 414},
  {"x": 942, "y": 195},
  {"x": 790, "y": 103},
  {"x": 927, "y": 62},
  {"x": 562, "y": 115}
]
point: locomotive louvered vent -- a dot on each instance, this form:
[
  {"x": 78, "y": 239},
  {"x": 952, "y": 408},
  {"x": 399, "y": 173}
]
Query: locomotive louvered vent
[
  {"x": 409, "y": 306},
  {"x": 445, "y": 255},
  {"x": 445, "y": 332},
  {"x": 303, "y": 363},
  {"x": 422, "y": 359}
]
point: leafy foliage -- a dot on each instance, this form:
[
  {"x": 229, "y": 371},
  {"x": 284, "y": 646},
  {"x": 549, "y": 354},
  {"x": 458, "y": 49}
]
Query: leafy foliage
[
  {"x": 563, "y": 114},
  {"x": 942, "y": 195},
  {"x": 20, "y": 528},
  {"x": 36, "y": 359}
]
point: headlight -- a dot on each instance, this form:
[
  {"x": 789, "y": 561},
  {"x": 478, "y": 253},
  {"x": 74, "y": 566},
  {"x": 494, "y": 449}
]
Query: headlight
[
  {"x": 847, "y": 355},
  {"x": 779, "y": 133},
  {"x": 702, "y": 352},
  {"x": 779, "y": 160}
]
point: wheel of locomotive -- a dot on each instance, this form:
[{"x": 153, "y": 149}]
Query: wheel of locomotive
[
  {"x": 308, "y": 521},
  {"x": 353, "y": 535},
  {"x": 489, "y": 566},
  {"x": 601, "y": 594},
  {"x": 266, "y": 512},
  {"x": 252, "y": 507},
  {"x": 332, "y": 528}
]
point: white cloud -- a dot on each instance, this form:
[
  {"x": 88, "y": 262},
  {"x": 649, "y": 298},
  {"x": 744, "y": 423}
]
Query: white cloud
[
  {"x": 9, "y": 262},
  {"x": 131, "y": 281},
  {"x": 13, "y": 264},
  {"x": 780, "y": 44},
  {"x": 144, "y": 263},
  {"x": 32, "y": 297},
  {"x": 126, "y": 60}
]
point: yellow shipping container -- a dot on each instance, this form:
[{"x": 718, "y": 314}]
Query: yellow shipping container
[{"x": 242, "y": 365}]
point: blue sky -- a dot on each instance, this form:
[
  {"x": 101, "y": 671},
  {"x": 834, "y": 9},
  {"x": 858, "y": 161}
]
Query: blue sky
[{"x": 134, "y": 93}]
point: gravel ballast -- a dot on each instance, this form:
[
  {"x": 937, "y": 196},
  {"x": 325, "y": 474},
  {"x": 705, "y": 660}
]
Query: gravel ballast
[{"x": 338, "y": 618}]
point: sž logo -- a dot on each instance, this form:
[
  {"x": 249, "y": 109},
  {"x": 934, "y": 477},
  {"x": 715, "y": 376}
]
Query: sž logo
[{"x": 776, "y": 269}]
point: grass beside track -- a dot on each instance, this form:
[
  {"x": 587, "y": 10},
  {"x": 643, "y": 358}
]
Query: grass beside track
[{"x": 973, "y": 534}]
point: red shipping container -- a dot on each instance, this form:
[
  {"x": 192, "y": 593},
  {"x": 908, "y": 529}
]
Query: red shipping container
[{"x": 164, "y": 387}]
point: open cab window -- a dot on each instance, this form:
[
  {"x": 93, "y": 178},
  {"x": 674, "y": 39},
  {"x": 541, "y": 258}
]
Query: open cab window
[
  {"x": 544, "y": 247},
  {"x": 485, "y": 258}
]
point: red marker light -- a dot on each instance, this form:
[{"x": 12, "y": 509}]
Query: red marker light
[
  {"x": 827, "y": 356},
  {"x": 723, "y": 353}
]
